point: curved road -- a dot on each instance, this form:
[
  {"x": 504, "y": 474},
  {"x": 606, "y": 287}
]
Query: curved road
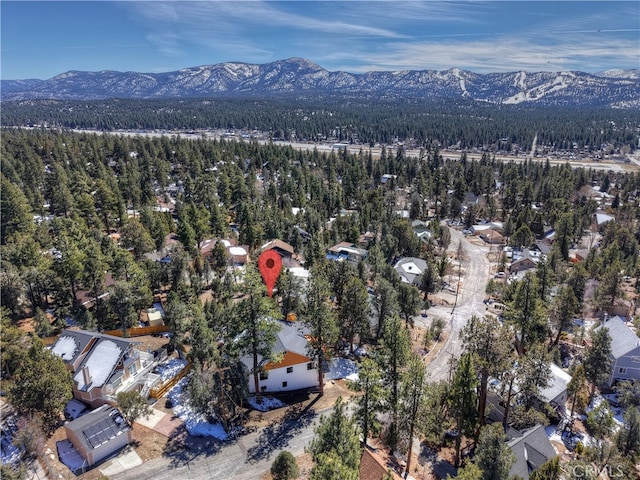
[{"x": 474, "y": 281}]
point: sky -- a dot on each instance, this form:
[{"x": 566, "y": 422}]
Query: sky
[{"x": 41, "y": 39}]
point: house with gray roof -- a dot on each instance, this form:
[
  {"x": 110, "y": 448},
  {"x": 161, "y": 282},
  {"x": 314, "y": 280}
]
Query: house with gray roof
[
  {"x": 531, "y": 449},
  {"x": 101, "y": 365},
  {"x": 625, "y": 350},
  {"x": 99, "y": 434},
  {"x": 411, "y": 269},
  {"x": 555, "y": 393}
]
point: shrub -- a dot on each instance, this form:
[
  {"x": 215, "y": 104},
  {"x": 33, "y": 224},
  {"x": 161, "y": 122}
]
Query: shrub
[{"x": 284, "y": 467}]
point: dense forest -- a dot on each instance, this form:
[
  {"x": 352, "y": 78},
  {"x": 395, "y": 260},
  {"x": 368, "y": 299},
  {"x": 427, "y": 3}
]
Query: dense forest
[
  {"x": 66, "y": 196},
  {"x": 355, "y": 120}
]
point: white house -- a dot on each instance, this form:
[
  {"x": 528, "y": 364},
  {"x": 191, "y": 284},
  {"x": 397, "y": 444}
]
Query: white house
[
  {"x": 411, "y": 269},
  {"x": 295, "y": 371},
  {"x": 625, "y": 350}
]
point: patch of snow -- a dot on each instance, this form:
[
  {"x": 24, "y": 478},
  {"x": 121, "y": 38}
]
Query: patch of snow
[
  {"x": 195, "y": 423},
  {"x": 65, "y": 347},
  {"x": 268, "y": 403},
  {"x": 342, "y": 368},
  {"x": 74, "y": 409},
  {"x": 170, "y": 369},
  {"x": 70, "y": 456},
  {"x": 9, "y": 453}
]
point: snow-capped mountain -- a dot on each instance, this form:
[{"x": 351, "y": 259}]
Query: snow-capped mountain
[{"x": 297, "y": 76}]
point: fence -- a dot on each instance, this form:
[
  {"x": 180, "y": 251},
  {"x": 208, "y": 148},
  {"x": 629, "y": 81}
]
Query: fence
[
  {"x": 138, "y": 331},
  {"x": 164, "y": 388}
]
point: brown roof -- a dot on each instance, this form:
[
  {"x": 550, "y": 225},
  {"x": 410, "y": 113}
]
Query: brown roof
[
  {"x": 372, "y": 467},
  {"x": 279, "y": 244}
]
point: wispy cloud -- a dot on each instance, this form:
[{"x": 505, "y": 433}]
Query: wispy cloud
[{"x": 383, "y": 35}]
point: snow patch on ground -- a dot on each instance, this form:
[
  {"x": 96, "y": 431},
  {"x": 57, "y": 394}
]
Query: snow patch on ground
[
  {"x": 268, "y": 403},
  {"x": 170, "y": 369},
  {"x": 74, "y": 409},
  {"x": 342, "y": 368},
  {"x": 195, "y": 423},
  {"x": 70, "y": 456}
]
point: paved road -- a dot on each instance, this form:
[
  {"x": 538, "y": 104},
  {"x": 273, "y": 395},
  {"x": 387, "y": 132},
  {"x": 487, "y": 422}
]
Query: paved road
[
  {"x": 476, "y": 266},
  {"x": 245, "y": 458}
]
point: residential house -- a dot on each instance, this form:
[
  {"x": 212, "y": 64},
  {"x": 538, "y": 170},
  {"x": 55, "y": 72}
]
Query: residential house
[
  {"x": 347, "y": 251},
  {"x": 556, "y": 393},
  {"x": 625, "y": 350},
  {"x": 411, "y": 269},
  {"x": 422, "y": 231},
  {"x": 492, "y": 237},
  {"x": 531, "y": 449},
  {"x": 99, "y": 434},
  {"x": 295, "y": 370},
  {"x": 101, "y": 365},
  {"x": 285, "y": 250},
  {"x": 523, "y": 262}
]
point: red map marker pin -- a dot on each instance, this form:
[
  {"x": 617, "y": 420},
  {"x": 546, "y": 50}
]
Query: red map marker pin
[{"x": 270, "y": 264}]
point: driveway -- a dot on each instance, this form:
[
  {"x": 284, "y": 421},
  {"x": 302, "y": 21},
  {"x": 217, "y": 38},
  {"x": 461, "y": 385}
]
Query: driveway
[{"x": 246, "y": 457}]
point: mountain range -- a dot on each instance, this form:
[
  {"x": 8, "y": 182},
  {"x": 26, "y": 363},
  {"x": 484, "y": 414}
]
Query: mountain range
[{"x": 301, "y": 77}]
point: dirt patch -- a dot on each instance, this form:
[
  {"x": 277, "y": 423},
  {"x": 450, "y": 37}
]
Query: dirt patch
[{"x": 332, "y": 390}]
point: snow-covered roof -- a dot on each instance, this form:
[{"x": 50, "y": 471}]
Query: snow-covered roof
[
  {"x": 65, "y": 347},
  {"x": 100, "y": 363},
  {"x": 602, "y": 218}
]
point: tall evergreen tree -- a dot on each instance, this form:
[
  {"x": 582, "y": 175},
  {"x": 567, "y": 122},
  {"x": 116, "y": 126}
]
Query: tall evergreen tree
[
  {"x": 335, "y": 448},
  {"x": 463, "y": 401},
  {"x": 369, "y": 384},
  {"x": 392, "y": 358},
  {"x": 42, "y": 385},
  {"x": 597, "y": 362},
  {"x": 320, "y": 317}
]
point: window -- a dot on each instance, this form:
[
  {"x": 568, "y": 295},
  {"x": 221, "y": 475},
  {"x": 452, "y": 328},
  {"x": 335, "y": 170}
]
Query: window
[
  {"x": 284, "y": 384},
  {"x": 622, "y": 370},
  {"x": 264, "y": 375},
  {"x": 310, "y": 366},
  {"x": 132, "y": 369},
  {"x": 289, "y": 369}
]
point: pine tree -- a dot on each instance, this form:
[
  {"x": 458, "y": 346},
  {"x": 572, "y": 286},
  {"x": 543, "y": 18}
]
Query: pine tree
[
  {"x": 412, "y": 398},
  {"x": 392, "y": 358},
  {"x": 369, "y": 384},
  {"x": 463, "y": 400},
  {"x": 42, "y": 385},
  {"x": 320, "y": 317},
  {"x": 493, "y": 456},
  {"x": 335, "y": 448},
  {"x": 597, "y": 362}
]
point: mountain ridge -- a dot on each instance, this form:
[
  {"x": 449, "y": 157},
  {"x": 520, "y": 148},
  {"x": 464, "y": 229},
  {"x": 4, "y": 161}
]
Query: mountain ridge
[{"x": 299, "y": 76}]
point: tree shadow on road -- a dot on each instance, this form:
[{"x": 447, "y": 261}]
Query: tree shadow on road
[
  {"x": 277, "y": 435},
  {"x": 183, "y": 448}
]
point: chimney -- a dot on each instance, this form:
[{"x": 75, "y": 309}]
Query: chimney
[{"x": 86, "y": 375}]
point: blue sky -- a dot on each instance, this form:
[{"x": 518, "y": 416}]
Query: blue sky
[{"x": 43, "y": 39}]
